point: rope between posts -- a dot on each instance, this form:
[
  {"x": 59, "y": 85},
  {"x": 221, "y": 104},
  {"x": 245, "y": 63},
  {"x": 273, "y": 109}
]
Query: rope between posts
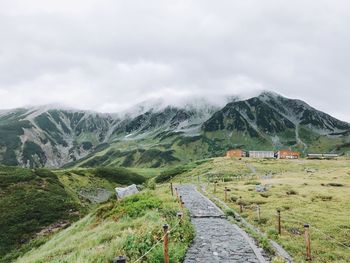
[
  {"x": 318, "y": 230},
  {"x": 156, "y": 244},
  {"x": 302, "y": 223},
  {"x": 327, "y": 236}
]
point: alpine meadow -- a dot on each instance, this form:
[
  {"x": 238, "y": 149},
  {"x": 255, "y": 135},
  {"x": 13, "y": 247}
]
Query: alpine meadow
[{"x": 174, "y": 131}]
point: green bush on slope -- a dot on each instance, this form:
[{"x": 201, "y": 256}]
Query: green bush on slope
[
  {"x": 30, "y": 200},
  {"x": 119, "y": 175},
  {"x": 170, "y": 173}
]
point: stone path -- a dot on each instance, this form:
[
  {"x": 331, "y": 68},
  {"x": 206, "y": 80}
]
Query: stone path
[{"x": 216, "y": 239}]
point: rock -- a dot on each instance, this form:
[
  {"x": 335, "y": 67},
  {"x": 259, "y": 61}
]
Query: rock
[
  {"x": 260, "y": 188},
  {"x": 126, "y": 191}
]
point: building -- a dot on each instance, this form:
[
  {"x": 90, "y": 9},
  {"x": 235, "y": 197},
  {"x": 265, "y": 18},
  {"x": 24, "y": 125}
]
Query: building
[
  {"x": 322, "y": 156},
  {"x": 314, "y": 156},
  {"x": 261, "y": 154},
  {"x": 287, "y": 154},
  {"x": 330, "y": 155},
  {"x": 236, "y": 153}
]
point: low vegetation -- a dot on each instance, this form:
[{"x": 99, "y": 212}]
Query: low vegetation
[
  {"x": 119, "y": 175},
  {"x": 30, "y": 200},
  {"x": 118, "y": 228},
  {"x": 320, "y": 198},
  {"x": 45, "y": 201}
]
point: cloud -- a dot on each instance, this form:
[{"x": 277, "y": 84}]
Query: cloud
[{"x": 109, "y": 55}]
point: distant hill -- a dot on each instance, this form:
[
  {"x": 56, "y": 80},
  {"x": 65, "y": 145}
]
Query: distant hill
[{"x": 153, "y": 134}]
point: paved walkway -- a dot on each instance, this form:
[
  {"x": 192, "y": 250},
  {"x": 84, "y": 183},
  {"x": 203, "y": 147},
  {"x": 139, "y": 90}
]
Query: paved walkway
[{"x": 216, "y": 239}]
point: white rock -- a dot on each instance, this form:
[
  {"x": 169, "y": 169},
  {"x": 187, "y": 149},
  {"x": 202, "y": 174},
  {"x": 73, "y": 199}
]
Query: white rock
[{"x": 126, "y": 191}]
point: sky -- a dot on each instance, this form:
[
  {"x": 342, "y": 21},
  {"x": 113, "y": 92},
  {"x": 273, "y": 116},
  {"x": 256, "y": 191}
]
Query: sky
[{"x": 109, "y": 55}]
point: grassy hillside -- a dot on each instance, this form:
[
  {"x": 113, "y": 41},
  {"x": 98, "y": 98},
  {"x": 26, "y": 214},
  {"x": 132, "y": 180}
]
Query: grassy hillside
[
  {"x": 129, "y": 227},
  {"x": 306, "y": 191},
  {"x": 40, "y": 200},
  {"x": 30, "y": 200}
]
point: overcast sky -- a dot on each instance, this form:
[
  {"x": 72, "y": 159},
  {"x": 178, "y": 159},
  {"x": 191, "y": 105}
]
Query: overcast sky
[{"x": 109, "y": 55}]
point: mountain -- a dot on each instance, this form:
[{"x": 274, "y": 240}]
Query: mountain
[
  {"x": 154, "y": 134},
  {"x": 272, "y": 121},
  {"x": 50, "y": 137}
]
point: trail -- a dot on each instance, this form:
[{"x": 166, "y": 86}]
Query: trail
[{"x": 217, "y": 240}]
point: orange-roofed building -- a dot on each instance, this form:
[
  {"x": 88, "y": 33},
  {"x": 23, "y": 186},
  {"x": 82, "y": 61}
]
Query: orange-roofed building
[
  {"x": 236, "y": 153},
  {"x": 287, "y": 154}
]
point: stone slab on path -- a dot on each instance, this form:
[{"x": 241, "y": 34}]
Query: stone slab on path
[{"x": 217, "y": 240}]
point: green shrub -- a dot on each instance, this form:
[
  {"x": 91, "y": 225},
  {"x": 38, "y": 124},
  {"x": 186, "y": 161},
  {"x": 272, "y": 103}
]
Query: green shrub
[
  {"x": 151, "y": 185},
  {"x": 291, "y": 192},
  {"x": 261, "y": 221},
  {"x": 265, "y": 195},
  {"x": 322, "y": 197},
  {"x": 335, "y": 184},
  {"x": 31, "y": 200},
  {"x": 234, "y": 198},
  {"x": 170, "y": 173},
  {"x": 230, "y": 212},
  {"x": 272, "y": 233},
  {"x": 252, "y": 183},
  {"x": 133, "y": 206},
  {"x": 119, "y": 175}
]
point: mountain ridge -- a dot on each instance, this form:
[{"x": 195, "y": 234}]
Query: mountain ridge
[{"x": 45, "y": 136}]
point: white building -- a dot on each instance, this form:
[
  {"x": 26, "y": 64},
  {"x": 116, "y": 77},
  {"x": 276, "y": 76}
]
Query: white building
[{"x": 261, "y": 154}]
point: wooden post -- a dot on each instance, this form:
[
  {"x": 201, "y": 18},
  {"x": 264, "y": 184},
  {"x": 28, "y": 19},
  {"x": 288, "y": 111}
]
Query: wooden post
[
  {"x": 258, "y": 210},
  {"x": 279, "y": 228},
  {"x": 120, "y": 259},
  {"x": 171, "y": 188},
  {"x": 225, "y": 194},
  {"x": 179, "y": 216},
  {"x": 214, "y": 187},
  {"x": 308, "y": 242},
  {"x": 166, "y": 243}
]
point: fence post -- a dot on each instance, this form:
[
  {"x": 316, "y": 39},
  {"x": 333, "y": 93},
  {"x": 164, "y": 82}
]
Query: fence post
[
  {"x": 279, "y": 222},
  {"x": 120, "y": 259},
  {"x": 166, "y": 243},
  {"x": 225, "y": 194},
  {"x": 214, "y": 187},
  {"x": 308, "y": 242},
  {"x": 171, "y": 188},
  {"x": 179, "y": 216}
]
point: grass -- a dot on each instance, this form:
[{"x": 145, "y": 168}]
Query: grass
[
  {"x": 30, "y": 200},
  {"x": 320, "y": 198},
  {"x": 129, "y": 227}
]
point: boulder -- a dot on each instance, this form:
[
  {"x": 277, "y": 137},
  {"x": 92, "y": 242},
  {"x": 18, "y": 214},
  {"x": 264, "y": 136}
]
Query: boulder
[{"x": 126, "y": 191}]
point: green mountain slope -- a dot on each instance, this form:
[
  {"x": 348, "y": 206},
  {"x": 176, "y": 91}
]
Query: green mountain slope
[{"x": 154, "y": 135}]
